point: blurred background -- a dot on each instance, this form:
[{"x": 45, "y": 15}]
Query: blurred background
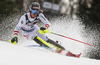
[
  {"x": 86, "y": 11},
  {"x": 83, "y": 8}
]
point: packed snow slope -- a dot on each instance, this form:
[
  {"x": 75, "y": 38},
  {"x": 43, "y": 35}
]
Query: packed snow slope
[
  {"x": 17, "y": 55},
  {"x": 20, "y": 55}
]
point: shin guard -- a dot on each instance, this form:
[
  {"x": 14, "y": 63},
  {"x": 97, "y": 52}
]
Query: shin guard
[
  {"x": 42, "y": 42},
  {"x": 56, "y": 44}
]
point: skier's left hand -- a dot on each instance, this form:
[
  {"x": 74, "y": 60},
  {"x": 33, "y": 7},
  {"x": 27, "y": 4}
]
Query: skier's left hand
[{"x": 43, "y": 30}]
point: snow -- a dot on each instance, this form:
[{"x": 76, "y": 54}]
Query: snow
[
  {"x": 20, "y": 55},
  {"x": 11, "y": 54}
]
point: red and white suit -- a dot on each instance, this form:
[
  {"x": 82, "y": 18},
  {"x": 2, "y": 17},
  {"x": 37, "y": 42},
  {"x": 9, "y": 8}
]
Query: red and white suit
[{"x": 29, "y": 27}]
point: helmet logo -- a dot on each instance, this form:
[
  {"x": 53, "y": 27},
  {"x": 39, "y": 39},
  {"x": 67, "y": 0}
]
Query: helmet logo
[{"x": 36, "y": 7}]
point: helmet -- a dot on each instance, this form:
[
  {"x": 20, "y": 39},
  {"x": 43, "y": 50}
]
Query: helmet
[{"x": 34, "y": 7}]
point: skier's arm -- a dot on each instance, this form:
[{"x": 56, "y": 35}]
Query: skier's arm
[
  {"x": 14, "y": 40},
  {"x": 44, "y": 20},
  {"x": 19, "y": 25}
]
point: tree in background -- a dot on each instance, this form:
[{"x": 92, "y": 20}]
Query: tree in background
[
  {"x": 89, "y": 12},
  {"x": 6, "y": 7}
]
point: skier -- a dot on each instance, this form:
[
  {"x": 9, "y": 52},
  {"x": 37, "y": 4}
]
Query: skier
[{"x": 30, "y": 29}]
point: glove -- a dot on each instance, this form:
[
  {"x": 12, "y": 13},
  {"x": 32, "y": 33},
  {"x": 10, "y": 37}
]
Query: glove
[
  {"x": 43, "y": 30},
  {"x": 14, "y": 40}
]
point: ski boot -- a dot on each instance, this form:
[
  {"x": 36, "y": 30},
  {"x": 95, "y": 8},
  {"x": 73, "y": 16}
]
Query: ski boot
[
  {"x": 68, "y": 53},
  {"x": 73, "y": 55}
]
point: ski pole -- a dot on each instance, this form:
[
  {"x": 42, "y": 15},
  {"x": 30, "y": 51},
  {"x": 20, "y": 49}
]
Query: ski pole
[
  {"x": 46, "y": 31},
  {"x": 4, "y": 40},
  {"x": 8, "y": 41},
  {"x": 72, "y": 39}
]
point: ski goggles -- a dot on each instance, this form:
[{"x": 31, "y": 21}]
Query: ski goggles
[{"x": 34, "y": 11}]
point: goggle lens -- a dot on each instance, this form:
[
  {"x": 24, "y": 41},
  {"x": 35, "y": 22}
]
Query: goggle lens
[{"x": 34, "y": 11}]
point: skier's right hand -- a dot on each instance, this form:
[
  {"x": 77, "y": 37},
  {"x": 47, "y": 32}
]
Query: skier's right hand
[{"x": 14, "y": 40}]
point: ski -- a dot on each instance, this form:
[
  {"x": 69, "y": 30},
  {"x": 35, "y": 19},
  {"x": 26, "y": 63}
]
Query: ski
[{"x": 39, "y": 46}]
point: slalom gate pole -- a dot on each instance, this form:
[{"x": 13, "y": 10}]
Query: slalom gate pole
[{"x": 72, "y": 39}]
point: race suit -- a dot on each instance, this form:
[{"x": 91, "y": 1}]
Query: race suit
[{"x": 29, "y": 27}]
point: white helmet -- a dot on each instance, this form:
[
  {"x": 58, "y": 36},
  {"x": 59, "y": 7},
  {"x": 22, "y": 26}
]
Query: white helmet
[{"x": 34, "y": 6}]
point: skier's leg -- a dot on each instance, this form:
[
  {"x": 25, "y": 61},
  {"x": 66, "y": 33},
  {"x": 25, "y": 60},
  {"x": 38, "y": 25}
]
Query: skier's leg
[
  {"x": 44, "y": 43},
  {"x": 33, "y": 36},
  {"x": 45, "y": 38},
  {"x": 56, "y": 44},
  {"x": 40, "y": 41},
  {"x": 42, "y": 36},
  {"x": 34, "y": 33},
  {"x": 29, "y": 35}
]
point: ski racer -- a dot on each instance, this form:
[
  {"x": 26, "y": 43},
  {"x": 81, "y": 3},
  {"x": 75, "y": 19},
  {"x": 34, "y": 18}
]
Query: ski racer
[{"x": 30, "y": 29}]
